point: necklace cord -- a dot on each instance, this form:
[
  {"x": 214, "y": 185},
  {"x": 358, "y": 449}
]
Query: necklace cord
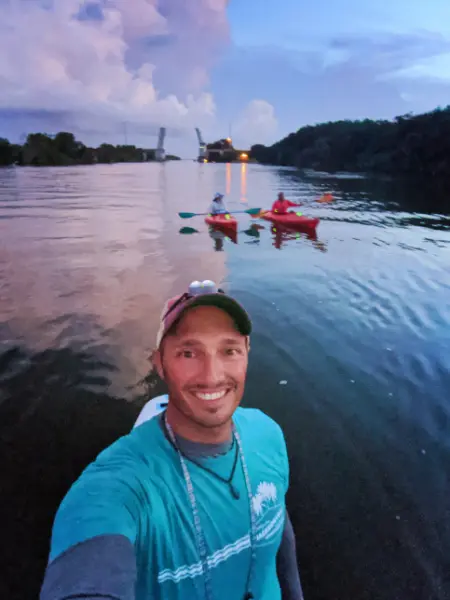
[
  {"x": 200, "y": 537},
  {"x": 228, "y": 480}
]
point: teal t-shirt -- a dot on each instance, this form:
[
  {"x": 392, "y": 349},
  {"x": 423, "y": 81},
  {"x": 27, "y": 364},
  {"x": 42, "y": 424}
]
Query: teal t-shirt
[{"x": 136, "y": 488}]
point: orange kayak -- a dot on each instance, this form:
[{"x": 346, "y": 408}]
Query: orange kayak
[
  {"x": 290, "y": 220},
  {"x": 222, "y": 221}
]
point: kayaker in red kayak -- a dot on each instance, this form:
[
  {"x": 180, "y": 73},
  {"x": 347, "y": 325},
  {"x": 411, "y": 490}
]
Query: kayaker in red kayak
[
  {"x": 281, "y": 205},
  {"x": 218, "y": 205}
]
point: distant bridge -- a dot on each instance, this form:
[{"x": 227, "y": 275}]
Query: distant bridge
[
  {"x": 221, "y": 151},
  {"x": 202, "y": 149},
  {"x": 160, "y": 153}
]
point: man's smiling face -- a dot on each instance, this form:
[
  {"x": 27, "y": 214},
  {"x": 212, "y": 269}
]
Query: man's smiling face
[{"x": 204, "y": 363}]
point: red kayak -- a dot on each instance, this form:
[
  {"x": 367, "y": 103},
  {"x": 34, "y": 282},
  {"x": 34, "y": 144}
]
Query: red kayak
[
  {"x": 222, "y": 221},
  {"x": 291, "y": 220}
]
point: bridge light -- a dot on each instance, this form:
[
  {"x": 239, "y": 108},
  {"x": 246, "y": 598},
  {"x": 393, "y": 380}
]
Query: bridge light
[{"x": 244, "y": 156}]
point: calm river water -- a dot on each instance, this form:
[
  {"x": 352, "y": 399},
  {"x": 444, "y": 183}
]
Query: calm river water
[{"x": 355, "y": 323}]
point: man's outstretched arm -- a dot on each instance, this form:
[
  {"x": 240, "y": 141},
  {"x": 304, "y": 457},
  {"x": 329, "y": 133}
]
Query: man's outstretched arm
[{"x": 101, "y": 568}]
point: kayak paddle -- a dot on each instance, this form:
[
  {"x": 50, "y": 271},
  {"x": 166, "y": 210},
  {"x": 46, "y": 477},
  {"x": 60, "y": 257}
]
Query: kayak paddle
[{"x": 250, "y": 211}]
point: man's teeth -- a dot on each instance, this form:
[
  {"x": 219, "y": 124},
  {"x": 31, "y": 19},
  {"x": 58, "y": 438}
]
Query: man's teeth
[{"x": 213, "y": 396}]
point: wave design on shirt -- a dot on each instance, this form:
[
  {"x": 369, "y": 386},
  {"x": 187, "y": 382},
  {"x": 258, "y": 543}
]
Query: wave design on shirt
[
  {"x": 266, "y": 531},
  {"x": 263, "y": 536},
  {"x": 215, "y": 559}
]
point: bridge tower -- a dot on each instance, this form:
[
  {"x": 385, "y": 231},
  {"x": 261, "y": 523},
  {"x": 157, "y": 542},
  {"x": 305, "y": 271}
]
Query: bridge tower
[
  {"x": 160, "y": 153},
  {"x": 202, "y": 150}
]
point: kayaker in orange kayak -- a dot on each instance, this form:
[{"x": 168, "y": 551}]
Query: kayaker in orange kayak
[
  {"x": 218, "y": 205},
  {"x": 281, "y": 205}
]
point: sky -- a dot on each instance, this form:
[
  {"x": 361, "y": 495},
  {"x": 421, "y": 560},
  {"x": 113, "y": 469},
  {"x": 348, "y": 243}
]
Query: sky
[{"x": 116, "y": 70}]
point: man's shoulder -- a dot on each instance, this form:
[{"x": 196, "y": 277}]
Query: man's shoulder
[
  {"x": 114, "y": 490},
  {"x": 254, "y": 415},
  {"x": 264, "y": 440},
  {"x": 118, "y": 473},
  {"x": 255, "y": 420},
  {"x": 133, "y": 449}
]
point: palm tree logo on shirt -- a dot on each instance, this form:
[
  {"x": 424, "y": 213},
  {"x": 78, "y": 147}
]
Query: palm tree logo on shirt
[{"x": 266, "y": 494}]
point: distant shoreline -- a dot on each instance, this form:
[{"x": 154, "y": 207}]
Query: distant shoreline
[
  {"x": 118, "y": 162},
  {"x": 63, "y": 150},
  {"x": 412, "y": 146}
]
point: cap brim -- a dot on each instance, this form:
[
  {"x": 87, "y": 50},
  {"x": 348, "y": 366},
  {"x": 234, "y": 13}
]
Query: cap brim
[{"x": 226, "y": 303}]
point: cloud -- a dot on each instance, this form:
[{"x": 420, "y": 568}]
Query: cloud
[
  {"x": 96, "y": 63},
  {"x": 89, "y": 66},
  {"x": 257, "y": 122},
  {"x": 141, "y": 18},
  {"x": 343, "y": 77},
  {"x": 197, "y": 34},
  {"x": 389, "y": 54}
]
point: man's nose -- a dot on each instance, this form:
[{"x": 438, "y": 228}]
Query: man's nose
[{"x": 213, "y": 370}]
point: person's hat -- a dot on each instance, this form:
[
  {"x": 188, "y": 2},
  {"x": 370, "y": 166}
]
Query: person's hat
[{"x": 204, "y": 293}]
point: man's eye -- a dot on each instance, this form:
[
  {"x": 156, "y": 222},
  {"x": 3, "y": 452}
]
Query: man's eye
[
  {"x": 187, "y": 353},
  {"x": 233, "y": 351}
]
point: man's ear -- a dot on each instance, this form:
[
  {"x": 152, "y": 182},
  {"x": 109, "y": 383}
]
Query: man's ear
[{"x": 157, "y": 363}]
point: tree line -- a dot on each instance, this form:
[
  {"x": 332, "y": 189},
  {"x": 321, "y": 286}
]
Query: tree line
[
  {"x": 41, "y": 150},
  {"x": 409, "y": 145}
]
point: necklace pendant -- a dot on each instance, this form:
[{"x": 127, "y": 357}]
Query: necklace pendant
[{"x": 234, "y": 492}]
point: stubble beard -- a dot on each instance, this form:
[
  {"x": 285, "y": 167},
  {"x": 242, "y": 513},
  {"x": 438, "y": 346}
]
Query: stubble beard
[
  {"x": 208, "y": 420},
  {"x": 179, "y": 410}
]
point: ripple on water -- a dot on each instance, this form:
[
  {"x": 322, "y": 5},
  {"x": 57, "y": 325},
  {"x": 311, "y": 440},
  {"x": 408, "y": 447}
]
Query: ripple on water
[{"x": 359, "y": 336}]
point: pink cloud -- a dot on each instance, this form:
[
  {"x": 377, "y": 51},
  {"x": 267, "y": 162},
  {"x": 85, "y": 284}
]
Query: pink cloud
[{"x": 51, "y": 60}]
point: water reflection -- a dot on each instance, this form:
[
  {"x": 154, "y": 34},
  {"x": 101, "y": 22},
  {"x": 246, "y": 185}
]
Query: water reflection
[
  {"x": 369, "y": 193},
  {"x": 254, "y": 231},
  {"x": 56, "y": 415},
  {"x": 220, "y": 235},
  {"x": 244, "y": 182},
  {"x": 361, "y": 335},
  {"x": 84, "y": 248},
  {"x": 217, "y": 234},
  {"x": 237, "y": 174},
  {"x": 281, "y": 235},
  {"x": 188, "y": 230},
  {"x": 228, "y": 179}
]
